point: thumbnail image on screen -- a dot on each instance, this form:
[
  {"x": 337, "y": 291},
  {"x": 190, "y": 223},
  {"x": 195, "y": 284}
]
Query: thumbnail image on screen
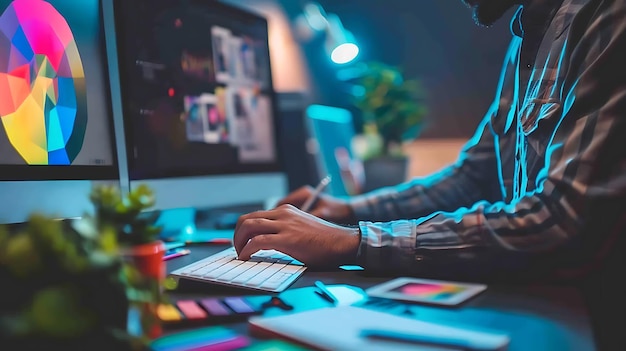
[
  {"x": 53, "y": 105},
  {"x": 198, "y": 96}
]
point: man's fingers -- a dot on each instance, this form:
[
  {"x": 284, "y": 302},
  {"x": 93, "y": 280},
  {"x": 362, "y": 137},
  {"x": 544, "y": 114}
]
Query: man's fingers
[
  {"x": 318, "y": 213},
  {"x": 296, "y": 198},
  {"x": 269, "y": 214},
  {"x": 250, "y": 227},
  {"x": 260, "y": 242}
]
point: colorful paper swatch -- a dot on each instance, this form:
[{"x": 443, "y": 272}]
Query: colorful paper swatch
[{"x": 432, "y": 292}]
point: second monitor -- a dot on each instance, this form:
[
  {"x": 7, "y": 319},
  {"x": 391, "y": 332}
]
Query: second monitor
[{"x": 198, "y": 103}]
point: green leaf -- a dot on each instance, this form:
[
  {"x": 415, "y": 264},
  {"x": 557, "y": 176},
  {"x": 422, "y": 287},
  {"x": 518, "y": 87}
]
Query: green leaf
[
  {"x": 393, "y": 103},
  {"x": 58, "y": 312}
]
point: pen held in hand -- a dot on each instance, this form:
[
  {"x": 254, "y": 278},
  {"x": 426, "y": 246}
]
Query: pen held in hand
[{"x": 306, "y": 207}]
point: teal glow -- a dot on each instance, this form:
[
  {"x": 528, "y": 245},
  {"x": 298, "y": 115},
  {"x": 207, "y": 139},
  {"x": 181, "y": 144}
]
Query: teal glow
[{"x": 344, "y": 53}]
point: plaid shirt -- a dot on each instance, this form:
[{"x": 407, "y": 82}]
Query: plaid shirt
[{"x": 545, "y": 171}]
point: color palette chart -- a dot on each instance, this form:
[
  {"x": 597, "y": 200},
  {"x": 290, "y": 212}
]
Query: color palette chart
[
  {"x": 194, "y": 313},
  {"x": 42, "y": 84},
  {"x": 432, "y": 292},
  {"x": 183, "y": 313}
]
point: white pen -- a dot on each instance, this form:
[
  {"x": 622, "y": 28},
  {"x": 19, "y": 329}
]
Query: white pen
[
  {"x": 485, "y": 342},
  {"x": 316, "y": 193}
]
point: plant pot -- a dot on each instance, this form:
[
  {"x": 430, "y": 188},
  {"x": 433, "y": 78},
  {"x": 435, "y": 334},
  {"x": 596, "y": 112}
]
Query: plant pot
[
  {"x": 384, "y": 171},
  {"x": 148, "y": 259}
]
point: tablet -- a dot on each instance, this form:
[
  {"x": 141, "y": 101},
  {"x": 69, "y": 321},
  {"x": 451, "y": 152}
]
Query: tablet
[{"x": 428, "y": 291}]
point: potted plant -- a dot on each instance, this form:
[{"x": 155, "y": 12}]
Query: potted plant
[
  {"x": 124, "y": 221},
  {"x": 134, "y": 228},
  {"x": 73, "y": 283},
  {"x": 393, "y": 112},
  {"x": 62, "y": 290}
]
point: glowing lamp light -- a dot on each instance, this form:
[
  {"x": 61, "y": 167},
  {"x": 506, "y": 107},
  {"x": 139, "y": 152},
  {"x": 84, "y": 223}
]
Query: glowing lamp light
[
  {"x": 344, "y": 53},
  {"x": 340, "y": 43}
]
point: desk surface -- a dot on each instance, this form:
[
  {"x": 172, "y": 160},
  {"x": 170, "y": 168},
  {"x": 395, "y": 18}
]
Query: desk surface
[{"x": 535, "y": 317}]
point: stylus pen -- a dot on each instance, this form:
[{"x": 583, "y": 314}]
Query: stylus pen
[
  {"x": 325, "y": 293},
  {"x": 176, "y": 254},
  {"x": 316, "y": 193},
  {"x": 479, "y": 344}
]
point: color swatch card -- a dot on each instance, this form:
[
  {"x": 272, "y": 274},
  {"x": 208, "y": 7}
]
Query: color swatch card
[
  {"x": 427, "y": 291},
  {"x": 187, "y": 313}
]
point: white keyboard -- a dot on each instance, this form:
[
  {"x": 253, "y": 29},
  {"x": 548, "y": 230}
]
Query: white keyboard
[{"x": 267, "y": 270}]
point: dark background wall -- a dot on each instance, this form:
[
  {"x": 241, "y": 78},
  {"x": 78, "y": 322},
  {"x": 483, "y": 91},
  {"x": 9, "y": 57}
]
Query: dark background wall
[{"x": 435, "y": 41}]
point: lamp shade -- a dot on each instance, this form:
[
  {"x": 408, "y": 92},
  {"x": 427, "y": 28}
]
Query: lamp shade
[{"x": 340, "y": 43}]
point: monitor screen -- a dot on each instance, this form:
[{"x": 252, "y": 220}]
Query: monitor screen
[
  {"x": 54, "y": 104},
  {"x": 198, "y": 103},
  {"x": 56, "y": 130},
  {"x": 197, "y": 89}
]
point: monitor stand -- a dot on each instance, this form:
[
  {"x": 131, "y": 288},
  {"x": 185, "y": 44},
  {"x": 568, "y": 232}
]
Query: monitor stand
[
  {"x": 179, "y": 225},
  {"x": 211, "y": 225}
]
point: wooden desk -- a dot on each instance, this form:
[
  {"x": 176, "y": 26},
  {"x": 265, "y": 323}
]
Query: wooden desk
[{"x": 536, "y": 317}]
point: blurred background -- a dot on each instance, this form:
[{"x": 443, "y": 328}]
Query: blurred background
[{"x": 434, "y": 42}]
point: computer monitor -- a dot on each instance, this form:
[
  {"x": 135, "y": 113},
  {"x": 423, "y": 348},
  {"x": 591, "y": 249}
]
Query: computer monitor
[
  {"x": 56, "y": 129},
  {"x": 198, "y": 104}
]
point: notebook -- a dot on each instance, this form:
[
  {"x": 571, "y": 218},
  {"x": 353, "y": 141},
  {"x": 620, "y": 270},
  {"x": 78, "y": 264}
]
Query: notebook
[{"x": 355, "y": 328}]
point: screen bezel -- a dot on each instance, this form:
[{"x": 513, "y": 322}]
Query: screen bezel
[
  {"x": 75, "y": 172},
  {"x": 196, "y": 171}
]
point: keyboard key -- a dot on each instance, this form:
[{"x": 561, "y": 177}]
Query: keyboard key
[
  {"x": 249, "y": 274},
  {"x": 264, "y": 253},
  {"x": 210, "y": 267},
  {"x": 223, "y": 269},
  {"x": 261, "y": 277},
  {"x": 233, "y": 273},
  {"x": 284, "y": 260},
  {"x": 276, "y": 281},
  {"x": 290, "y": 269}
]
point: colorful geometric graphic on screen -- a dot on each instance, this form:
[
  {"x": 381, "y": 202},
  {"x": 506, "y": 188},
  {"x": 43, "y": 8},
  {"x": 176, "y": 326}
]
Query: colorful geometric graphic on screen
[{"x": 42, "y": 84}]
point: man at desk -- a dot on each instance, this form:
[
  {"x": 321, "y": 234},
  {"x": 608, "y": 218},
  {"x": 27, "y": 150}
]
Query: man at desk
[{"x": 539, "y": 191}]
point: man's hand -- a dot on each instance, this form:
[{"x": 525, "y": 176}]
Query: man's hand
[
  {"x": 326, "y": 206},
  {"x": 308, "y": 239}
]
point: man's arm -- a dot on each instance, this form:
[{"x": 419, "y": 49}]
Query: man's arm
[
  {"x": 460, "y": 184},
  {"x": 470, "y": 179},
  {"x": 584, "y": 176}
]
